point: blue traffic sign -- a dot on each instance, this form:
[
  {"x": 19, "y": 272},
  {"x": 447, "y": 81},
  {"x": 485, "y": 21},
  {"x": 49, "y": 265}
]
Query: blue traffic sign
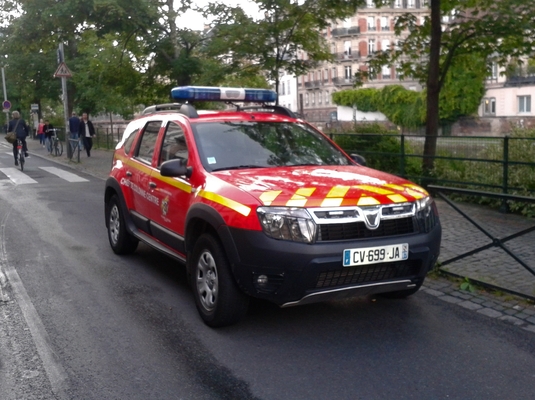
[{"x": 6, "y": 104}]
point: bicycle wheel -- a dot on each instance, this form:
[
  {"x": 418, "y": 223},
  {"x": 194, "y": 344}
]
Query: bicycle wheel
[
  {"x": 58, "y": 148},
  {"x": 21, "y": 160}
]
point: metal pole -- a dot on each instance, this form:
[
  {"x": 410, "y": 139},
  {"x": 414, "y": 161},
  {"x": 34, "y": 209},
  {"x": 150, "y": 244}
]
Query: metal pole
[
  {"x": 65, "y": 106},
  {"x": 5, "y": 93}
]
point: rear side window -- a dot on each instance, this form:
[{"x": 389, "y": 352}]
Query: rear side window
[
  {"x": 130, "y": 139},
  {"x": 145, "y": 150}
]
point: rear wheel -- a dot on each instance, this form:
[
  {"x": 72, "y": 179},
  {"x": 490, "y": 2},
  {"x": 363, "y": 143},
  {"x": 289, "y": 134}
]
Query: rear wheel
[
  {"x": 218, "y": 299},
  {"x": 121, "y": 241},
  {"x": 21, "y": 160},
  {"x": 58, "y": 148}
]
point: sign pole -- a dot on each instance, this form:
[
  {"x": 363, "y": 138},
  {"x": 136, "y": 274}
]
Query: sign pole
[
  {"x": 65, "y": 105},
  {"x": 5, "y": 94}
]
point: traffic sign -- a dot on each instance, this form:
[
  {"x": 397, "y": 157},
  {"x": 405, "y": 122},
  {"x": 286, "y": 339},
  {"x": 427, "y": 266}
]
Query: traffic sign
[
  {"x": 62, "y": 71},
  {"x": 6, "y": 104}
]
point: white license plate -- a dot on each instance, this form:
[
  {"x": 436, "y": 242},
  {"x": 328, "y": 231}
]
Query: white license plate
[{"x": 374, "y": 255}]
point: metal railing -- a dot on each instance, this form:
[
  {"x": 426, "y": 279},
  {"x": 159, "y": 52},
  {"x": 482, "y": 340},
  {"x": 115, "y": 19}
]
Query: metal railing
[{"x": 496, "y": 164}]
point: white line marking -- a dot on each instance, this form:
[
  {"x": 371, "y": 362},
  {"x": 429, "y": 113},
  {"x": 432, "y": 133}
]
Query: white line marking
[
  {"x": 16, "y": 176},
  {"x": 68, "y": 176}
]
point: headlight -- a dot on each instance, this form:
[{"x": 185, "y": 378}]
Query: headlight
[
  {"x": 424, "y": 205},
  {"x": 426, "y": 214},
  {"x": 286, "y": 223}
]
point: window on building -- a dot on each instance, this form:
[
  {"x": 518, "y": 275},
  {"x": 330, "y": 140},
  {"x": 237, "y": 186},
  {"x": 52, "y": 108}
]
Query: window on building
[
  {"x": 288, "y": 87},
  {"x": 347, "y": 47},
  {"x": 371, "y": 46},
  {"x": 326, "y": 75},
  {"x": 348, "y": 73},
  {"x": 306, "y": 99},
  {"x": 313, "y": 98},
  {"x": 494, "y": 71},
  {"x": 398, "y": 3},
  {"x": 370, "y": 4},
  {"x": 524, "y": 104},
  {"x": 410, "y": 3},
  {"x": 489, "y": 106},
  {"x": 320, "y": 97},
  {"x": 335, "y": 73},
  {"x": 385, "y": 71},
  {"x": 371, "y": 23},
  {"x": 385, "y": 45},
  {"x": 282, "y": 89},
  {"x": 384, "y": 24},
  {"x": 347, "y": 22},
  {"x": 327, "y": 97}
]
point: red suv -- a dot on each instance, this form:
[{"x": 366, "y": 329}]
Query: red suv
[{"x": 256, "y": 202}]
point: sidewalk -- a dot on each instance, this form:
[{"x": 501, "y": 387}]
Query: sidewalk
[{"x": 491, "y": 266}]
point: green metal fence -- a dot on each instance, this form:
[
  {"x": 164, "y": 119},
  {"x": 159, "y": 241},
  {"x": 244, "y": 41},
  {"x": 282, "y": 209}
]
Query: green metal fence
[{"x": 497, "y": 164}]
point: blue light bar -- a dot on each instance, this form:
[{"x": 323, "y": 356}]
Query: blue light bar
[{"x": 208, "y": 93}]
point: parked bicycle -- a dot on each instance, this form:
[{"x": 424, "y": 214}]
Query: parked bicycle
[
  {"x": 55, "y": 146},
  {"x": 20, "y": 154}
]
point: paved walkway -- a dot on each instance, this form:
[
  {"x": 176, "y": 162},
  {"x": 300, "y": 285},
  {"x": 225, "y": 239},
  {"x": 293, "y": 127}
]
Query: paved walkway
[{"x": 492, "y": 266}]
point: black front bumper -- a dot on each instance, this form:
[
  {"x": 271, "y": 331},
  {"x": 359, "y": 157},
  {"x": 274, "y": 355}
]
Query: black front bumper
[{"x": 295, "y": 273}]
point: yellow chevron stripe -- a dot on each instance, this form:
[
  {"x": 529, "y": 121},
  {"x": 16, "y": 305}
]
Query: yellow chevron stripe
[{"x": 233, "y": 205}]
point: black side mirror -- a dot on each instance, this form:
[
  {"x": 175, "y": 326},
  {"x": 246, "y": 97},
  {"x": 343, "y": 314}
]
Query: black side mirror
[
  {"x": 175, "y": 168},
  {"x": 358, "y": 159}
]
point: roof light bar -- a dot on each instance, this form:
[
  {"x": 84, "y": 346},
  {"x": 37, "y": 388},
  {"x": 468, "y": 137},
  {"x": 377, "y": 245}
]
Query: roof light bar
[{"x": 208, "y": 93}]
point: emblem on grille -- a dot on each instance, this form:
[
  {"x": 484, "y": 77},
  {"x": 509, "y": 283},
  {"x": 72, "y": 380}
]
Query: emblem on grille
[{"x": 372, "y": 217}]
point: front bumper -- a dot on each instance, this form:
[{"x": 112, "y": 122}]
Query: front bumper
[{"x": 290, "y": 273}]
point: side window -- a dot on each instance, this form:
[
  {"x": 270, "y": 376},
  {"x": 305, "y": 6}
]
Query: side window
[
  {"x": 174, "y": 144},
  {"x": 146, "y": 146},
  {"x": 130, "y": 139}
]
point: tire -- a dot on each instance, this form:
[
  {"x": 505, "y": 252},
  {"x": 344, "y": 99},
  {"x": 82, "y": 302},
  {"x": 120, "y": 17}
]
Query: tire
[
  {"x": 401, "y": 294},
  {"x": 121, "y": 241},
  {"x": 218, "y": 299},
  {"x": 21, "y": 161},
  {"x": 58, "y": 148}
]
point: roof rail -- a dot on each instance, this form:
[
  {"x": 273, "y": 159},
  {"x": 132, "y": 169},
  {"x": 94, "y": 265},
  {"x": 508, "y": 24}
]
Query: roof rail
[
  {"x": 183, "y": 108},
  {"x": 280, "y": 110}
]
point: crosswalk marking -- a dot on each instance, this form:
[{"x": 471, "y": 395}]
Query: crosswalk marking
[
  {"x": 68, "y": 176},
  {"x": 17, "y": 176}
]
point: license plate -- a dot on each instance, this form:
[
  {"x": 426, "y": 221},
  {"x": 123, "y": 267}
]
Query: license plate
[{"x": 374, "y": 255}]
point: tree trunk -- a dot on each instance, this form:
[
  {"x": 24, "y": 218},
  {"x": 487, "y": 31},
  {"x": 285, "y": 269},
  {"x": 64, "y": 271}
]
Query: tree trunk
[{"x": 433, "y": 90}]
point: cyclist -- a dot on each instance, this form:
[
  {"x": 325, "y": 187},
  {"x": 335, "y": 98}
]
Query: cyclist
[{"x": 18, "y": 125}]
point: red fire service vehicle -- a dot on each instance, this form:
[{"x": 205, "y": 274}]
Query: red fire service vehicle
[{"x": 255, "y": 202}]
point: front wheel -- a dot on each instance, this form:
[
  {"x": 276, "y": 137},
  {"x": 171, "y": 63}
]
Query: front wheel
[
  {"x": 218, "y": 299},
  {"x": 121, "y": 241}
]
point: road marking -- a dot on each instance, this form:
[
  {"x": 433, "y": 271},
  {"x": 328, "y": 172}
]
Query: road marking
[
  {"x": 16, "y": 176},
  {"x": 68, "y": 176}
]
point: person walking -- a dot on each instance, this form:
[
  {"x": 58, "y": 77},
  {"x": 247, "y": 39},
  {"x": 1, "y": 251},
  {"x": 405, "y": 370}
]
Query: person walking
[
  {"x": 41, "y": 132},
  {"x": 18, "y": 125},
  {"x": 87, "y": 133},
  {"x": 74, "y": 127},
  {"x": 49, "y": 132}
]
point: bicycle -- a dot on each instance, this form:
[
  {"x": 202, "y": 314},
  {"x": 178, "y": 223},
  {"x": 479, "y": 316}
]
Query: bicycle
[
  {"x": 56, "y": 147},
  {"x": 20, "y": 154}
]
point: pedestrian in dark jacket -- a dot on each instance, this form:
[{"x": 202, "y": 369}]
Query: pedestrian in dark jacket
[
  {"x": 18, "y": 125},
  {"x": 86, "y": 133}
]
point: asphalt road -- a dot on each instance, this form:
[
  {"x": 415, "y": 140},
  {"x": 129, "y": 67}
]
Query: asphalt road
[{"x": 79, "y": 322}]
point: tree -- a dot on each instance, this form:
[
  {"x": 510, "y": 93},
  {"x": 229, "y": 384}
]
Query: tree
[
  {"x": 273, "y": 43},
  {"x": 494, "y": 30}
]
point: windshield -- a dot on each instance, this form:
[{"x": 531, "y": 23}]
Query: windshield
[{"x": 227, "y": 145}]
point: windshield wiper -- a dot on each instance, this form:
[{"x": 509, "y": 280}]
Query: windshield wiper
[{"x": 248, "y": 166}]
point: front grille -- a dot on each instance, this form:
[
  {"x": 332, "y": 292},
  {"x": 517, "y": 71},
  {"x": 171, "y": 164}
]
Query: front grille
[
  {"x": 358, "y": 230},
  {"x": 368, "y": 273}
]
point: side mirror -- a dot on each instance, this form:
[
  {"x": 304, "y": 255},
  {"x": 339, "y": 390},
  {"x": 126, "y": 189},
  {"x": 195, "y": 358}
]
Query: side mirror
[
  {"x": 358, "y": 159},
  {"x": 175, "y": 168}
]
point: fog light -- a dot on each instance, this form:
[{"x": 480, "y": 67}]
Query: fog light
[{"x": 262, "y": 280}]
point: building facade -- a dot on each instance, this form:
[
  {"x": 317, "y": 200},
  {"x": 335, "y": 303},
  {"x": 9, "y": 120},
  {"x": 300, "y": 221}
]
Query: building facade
[{"x": 352, "y": 42}]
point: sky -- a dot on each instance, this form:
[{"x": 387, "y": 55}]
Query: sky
[{"x": 194, "y": 21}]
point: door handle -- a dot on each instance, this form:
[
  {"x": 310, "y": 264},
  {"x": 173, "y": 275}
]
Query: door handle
[
  {"x": 128, "y": 173},
  {"x": 152, "y": 185}
]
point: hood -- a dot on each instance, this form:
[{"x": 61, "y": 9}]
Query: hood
[{"x": 322, "y": 186}]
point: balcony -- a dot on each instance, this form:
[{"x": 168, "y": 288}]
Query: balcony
[
  {"x": 347, "y": 56},
  {"x": 345, "y": 31},
  {"x": 343, "y": 81},
  {"x": 520, "y": 80},
  {"x": 313, "y": 84}
]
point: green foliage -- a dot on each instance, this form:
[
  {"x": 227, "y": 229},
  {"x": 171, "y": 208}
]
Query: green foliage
[
  {"x": 378, "y": 146},
  {"x": 468, "y": 286}
]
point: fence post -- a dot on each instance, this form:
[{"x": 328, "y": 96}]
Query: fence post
[
  {"x": 505, "y": 182},
  {"x": 402, "y": 157}
]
